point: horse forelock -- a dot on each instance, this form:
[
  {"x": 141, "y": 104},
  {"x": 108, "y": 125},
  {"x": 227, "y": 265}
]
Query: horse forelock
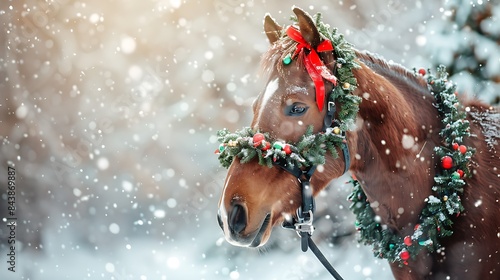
[{"x": 272, "y": 60}]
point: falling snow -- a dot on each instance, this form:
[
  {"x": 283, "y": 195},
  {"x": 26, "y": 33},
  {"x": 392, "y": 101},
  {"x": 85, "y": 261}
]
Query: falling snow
[
  {"x": 408, "y": 141},
  {"x": 108, "y": 113}
]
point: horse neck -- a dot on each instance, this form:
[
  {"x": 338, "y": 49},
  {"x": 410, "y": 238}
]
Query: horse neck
[{"x": 393, "y": 144}]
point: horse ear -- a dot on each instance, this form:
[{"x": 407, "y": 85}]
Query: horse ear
[
  {"x": 272, "y": 29},
  {"x": 307, "y": 27}
]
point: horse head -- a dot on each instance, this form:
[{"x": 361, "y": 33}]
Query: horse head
[{"x": 300, "y": 66}]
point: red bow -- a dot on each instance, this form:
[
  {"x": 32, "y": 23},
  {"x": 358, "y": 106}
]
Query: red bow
[{"x": 314, "y": 66}]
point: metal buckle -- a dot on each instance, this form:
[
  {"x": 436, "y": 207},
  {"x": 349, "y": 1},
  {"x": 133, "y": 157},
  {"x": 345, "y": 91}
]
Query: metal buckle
[
  {"x": 330, "y": 105},
  {"x": 304, "y": 225}
]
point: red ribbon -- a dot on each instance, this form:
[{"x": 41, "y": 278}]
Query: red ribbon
[{"x": 314, "y": 65}]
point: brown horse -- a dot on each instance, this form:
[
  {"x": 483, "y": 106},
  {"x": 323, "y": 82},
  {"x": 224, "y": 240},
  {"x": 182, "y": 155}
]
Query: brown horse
[{"x": 396, "y": 109}]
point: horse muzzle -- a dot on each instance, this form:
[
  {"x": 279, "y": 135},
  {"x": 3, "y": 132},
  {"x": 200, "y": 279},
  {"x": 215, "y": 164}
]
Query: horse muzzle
[{"x": 237, "y": 230}]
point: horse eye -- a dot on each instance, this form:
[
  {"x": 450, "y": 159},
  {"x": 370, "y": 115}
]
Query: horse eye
[{"x": 296, "y": 109}]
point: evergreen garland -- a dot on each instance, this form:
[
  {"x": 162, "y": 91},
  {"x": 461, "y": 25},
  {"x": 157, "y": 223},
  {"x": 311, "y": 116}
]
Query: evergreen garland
[
  {"x": 435, "y": 221},
  {"x": 247, "y": 144},
  {"x": 345, "y": 63}
]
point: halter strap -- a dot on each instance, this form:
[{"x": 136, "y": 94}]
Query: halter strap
[
  {"x": 305, "y": 213},
  {"x": 347, "y": 157},
  {"x": 303, "y": 225},
  {"x": 328, "y": 122}
]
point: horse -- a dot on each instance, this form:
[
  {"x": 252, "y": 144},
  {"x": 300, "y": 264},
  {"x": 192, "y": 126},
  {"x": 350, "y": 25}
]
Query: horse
[{"x": 394, "y": 140}]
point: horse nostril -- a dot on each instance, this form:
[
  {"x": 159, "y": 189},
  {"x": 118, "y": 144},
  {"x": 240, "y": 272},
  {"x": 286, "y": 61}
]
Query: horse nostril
[
  {"x": 220, "y": 221},
  {"x": 237, "y": 219}
]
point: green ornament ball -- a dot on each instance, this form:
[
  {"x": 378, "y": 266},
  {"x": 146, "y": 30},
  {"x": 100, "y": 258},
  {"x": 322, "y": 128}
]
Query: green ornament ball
[{"x": 287, "y": 60}]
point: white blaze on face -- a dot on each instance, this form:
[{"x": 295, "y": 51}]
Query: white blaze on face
[
  {"x": 270, "y": 90},
  {"x": 222, "y": 207},
  {"x": 223, "y": 210}
]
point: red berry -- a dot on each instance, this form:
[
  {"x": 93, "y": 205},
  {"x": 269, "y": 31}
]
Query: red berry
[
  {"x": 455, "y": 146},
  {"x": 446, "y": 162},
  {"x": 267, "y": 145},
  {"x": 463, "y": 149},
  {"x": 405, "y": 255},
  {"x": 421, "y": 71},
  {"x": 407, "y": 241}
]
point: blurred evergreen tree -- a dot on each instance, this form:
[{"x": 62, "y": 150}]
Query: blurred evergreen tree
[{"x": 466, "y": 39}]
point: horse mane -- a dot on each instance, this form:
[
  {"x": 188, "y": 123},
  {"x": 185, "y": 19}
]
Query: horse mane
[{"x": 393, "y": 70}]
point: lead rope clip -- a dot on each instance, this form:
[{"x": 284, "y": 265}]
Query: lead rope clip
[{"x": 304, "y": 225}]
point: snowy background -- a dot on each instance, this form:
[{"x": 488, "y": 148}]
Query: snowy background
[{"x": 108, "y": 112}]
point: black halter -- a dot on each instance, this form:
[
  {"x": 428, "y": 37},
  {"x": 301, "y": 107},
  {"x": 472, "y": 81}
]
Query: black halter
[{"x": 303, "y": 224}]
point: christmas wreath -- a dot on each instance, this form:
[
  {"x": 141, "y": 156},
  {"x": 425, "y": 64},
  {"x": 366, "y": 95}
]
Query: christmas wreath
[{"x": 435, "y": 220}]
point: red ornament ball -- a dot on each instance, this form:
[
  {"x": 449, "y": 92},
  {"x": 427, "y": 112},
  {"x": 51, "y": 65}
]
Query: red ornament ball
[
  {"x": 455, "y": 146},
  {"x": 287, "y": 149},
  {"x": 446, "y": 162},
  {"x": 421, "y": 71},
  {"x": 460, "y": 172},
  {"x": 257, "y": 139},
  {"x": 463, "y": 149},
  {"x": 405, "y": 255},
  {"x": 407, "y": 240}
]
